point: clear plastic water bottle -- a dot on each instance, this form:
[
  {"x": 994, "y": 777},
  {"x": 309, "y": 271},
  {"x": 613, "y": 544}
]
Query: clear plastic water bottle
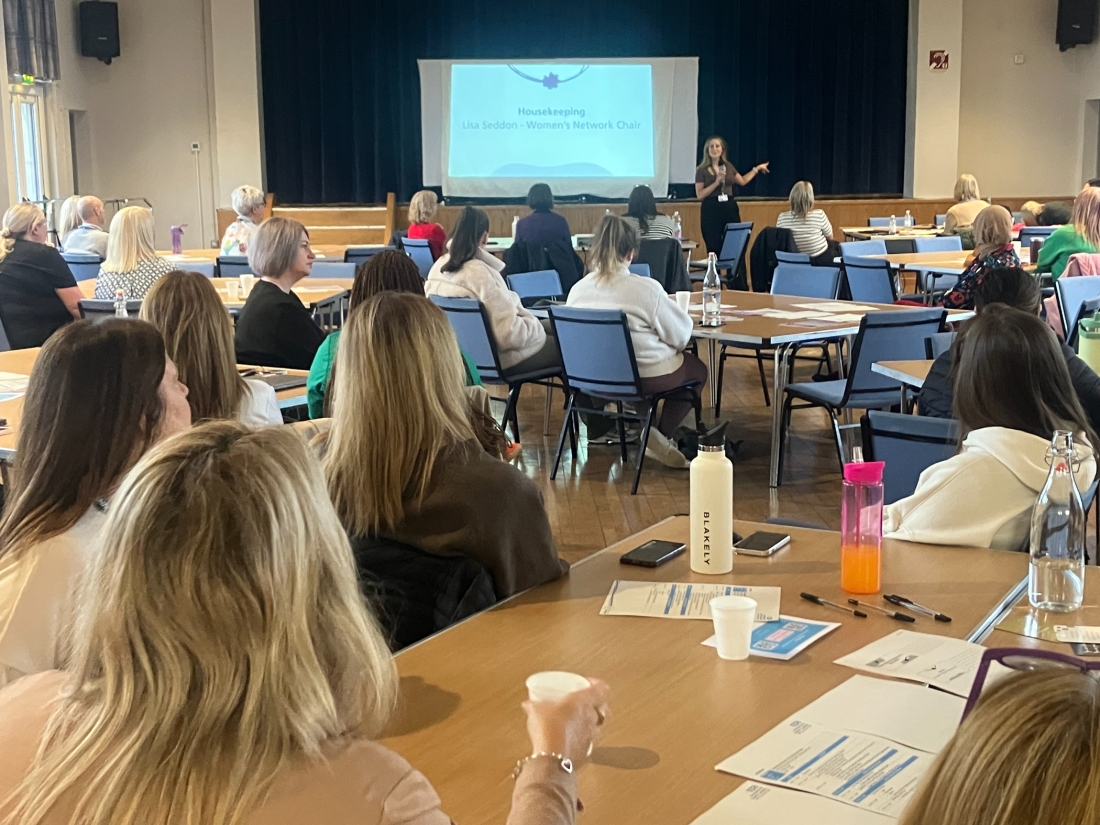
[
  {"x": 908, "y": 218},
  {"x": 515, "y": 221},
  {"x": 677, "y": 227},
  {"x": 893, "y": 225},
  {"x": 712, "y": 294},
  {"x": 1057, "y": 575},
  {"x": 120, "y": 305}
]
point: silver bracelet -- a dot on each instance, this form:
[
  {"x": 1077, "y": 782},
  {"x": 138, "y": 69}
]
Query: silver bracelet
[{"x": 565, "y": 762}]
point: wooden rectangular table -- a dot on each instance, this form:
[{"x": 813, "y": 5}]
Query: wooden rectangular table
[
  {"x": 953, "y": 262},
  {"x": 1088, "y": 615},
  {"x": 313, "y": 292},
  {"x": 323, "y": 252},
  {"x": 909, "y": 373},
  {"x": 676, "y": 708},
  {"x": 780, "y": 334},
  {"x": 21, "y": 362}
]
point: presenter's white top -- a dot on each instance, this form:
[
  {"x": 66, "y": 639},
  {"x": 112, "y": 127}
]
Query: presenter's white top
[
  {"x": 519, "y": 334},
  {"x": 811, "y": 233},
  {"x": 657, "y": 226},
  {"x": 38, "y": 597},
  {"x": 259, "y": 406},
  {"x": 659, "y": 329}
]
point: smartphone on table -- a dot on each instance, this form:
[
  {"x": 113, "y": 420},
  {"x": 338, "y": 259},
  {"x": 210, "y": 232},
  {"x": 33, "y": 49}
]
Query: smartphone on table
[
  {"x": 762, "y": 544},
  {"x": 653, "y": 553}
]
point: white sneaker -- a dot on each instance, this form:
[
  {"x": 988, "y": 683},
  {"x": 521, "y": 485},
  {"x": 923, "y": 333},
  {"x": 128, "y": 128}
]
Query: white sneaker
[{"x": 661, "y": 448}]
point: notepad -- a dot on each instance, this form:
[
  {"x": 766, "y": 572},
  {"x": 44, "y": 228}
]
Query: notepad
[{"x": 683, "y": 600}]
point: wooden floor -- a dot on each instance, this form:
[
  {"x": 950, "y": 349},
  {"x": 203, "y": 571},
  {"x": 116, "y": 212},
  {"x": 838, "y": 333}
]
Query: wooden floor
[{"x": 590, "y": 505}]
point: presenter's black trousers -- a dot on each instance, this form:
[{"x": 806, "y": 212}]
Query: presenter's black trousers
[{"x": 713, "y": 217}]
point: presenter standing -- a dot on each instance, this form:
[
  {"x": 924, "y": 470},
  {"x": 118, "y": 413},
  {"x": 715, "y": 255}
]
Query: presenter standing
[{"x": 714, "y": 181}]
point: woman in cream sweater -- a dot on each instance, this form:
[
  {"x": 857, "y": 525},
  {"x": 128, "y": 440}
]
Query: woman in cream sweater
[{"x": 1012, "y": 391}]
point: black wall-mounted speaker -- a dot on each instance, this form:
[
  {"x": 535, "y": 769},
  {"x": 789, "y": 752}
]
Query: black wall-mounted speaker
[
  {"x": 1077, "y": 21},
  {"x": 99, "y": 30}
]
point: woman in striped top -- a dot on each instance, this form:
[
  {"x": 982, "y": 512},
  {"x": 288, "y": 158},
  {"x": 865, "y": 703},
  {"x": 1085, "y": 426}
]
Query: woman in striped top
[
  {"x": 642, "y": 214},
  {"x": 810, "y": 227}
]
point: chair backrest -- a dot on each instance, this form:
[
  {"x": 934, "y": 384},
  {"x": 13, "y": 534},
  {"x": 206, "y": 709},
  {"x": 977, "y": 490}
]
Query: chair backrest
[
  {"x": 909, "y": 444},
  {"x": 597, "y": 352},
  {"x": 941, "y": 219},
  {"x": 944, "y": 243},
  {"x": 735, "y": 237},
  {"x": 805, "y": 281},
  {"x": 1029, "y": 232},
  {"x": 332, "y": 269},
  {"x": 1082, "y": 263},
  {"x": 471, "y": 324},
  {"x": 888, "y": 336},
  {"x": 1017, "y": 217},
  {"x": 791, "y": 257},
  {"x": 870, "y": 280},
  {"x": 859, "y": 249},
  {"x": 640, "y": 269},
  {"x": 202, "y": 267},
  {"x": 936, "y": 345},
  {"x": 361, "y": 254},
  {"x": 98, "y": 308},
  {"x": 421, "y": 254},
  {"x": 83, "y": 266},
  {"x": 5, "y": 344},
  {"x": 878, "y": 221},
  {"x": 543, "y": 283},
  {"x": 1071, "y": 294},
  {"x": 233, "y": 266},
  {"x": 1088, "y": 308}
]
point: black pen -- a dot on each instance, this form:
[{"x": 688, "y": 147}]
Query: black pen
[
  {"x": 901, "y": 601},
  {"x": 893, "y": 614},
  {"x": 810, "y": 597}
]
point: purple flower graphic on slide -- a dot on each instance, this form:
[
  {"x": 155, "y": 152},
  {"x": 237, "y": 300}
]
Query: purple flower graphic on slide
[{"x": 550, "y": 81}]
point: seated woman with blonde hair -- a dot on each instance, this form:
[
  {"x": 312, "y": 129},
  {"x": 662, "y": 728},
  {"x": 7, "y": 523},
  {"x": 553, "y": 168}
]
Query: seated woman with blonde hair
[
  {"x": 259, "y": 708},
  {"x": 422, "y": 209},
  {"x": 198, "y": 334},
  {"x": 249, "y": 204},
  {"x": 132, "y": 263},
  {"x": 403, "y": 461},
  {"x": 968, "y": 205}
]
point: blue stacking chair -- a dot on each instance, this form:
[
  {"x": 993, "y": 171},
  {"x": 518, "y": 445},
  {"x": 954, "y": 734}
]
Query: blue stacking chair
[
  {"x": 361, "y": 254},
  {"x": 1029, "y": 232},
  {"x": 96, "y": 309},
  {"x": 1088, "y": 308},
  {"x": 909, "y": 444},
  {"x": 202, "y": 267},
  {"x": 870, "y": 280},
  {"x": 1071, "y": 294},
  {"x": 1017, "y": 217},
  {"x": 5, "y": 344},
  {"x": 798, "y": 280},
  {"x": 937, "y": 344},
  {"x": 931, "y": 282},
  {"x": 860, "y": 249},
  {"x": 233, "y": 266},
  {"x": 420, "y": 252},
  {"x": 878, "y": 222},
  {"x": 474, "y": 332},
  {"x": 641, "y": 269},
  {"x": 792, "y": 257},
  {"x": 598, "y": 361},
  {"x": 332, "y": 269},
  {"x": 883, "y": 336},
  {"x": 941, "y": 219},
  {"x": 535, "y": 286},
  {"x": 83, "y": 266},
  {"x": 735, "y": 240}
]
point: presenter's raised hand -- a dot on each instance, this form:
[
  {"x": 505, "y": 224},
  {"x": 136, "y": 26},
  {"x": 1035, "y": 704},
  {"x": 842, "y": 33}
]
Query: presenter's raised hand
[{"x": 762, "y": 168}]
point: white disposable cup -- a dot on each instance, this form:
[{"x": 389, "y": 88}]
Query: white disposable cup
[
  {"x": 247, "y": 282},
  {"x": 733, "y": 620},
  {"x": 232, "y": 289},
  {"x": 1019, "y": 247},
  {"x": 683, "y": 300},
  {"x": 554, "y": 685}
]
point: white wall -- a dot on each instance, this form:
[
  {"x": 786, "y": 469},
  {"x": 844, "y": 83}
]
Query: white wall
[
  {"x": 187, "y": 73},
  {"x": 1022, "y": 127}
]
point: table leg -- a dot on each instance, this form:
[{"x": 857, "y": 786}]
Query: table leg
[
  {"x": 901, "y": 409},
  {"x": 712, "y": 364},
  {"x": 782, "y": 361}
]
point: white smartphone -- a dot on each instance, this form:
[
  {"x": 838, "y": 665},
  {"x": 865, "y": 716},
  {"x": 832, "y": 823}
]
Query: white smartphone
[{"x": 762, "y": 544}]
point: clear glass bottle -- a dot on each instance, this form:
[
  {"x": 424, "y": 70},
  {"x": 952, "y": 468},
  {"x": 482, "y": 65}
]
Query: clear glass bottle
[
  {"x": 1057, "y": 574},
  {"x": 120, "y": 305},
  {"x": 712, "y": 294},
  {"x": 908, "y": 218},
  {"x": 677, "y": 227},
  {"x": 893, "y": 225},
  {"x": 861, "y": 527}
]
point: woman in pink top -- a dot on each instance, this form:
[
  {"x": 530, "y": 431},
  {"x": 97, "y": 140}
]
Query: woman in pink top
[{"x": 225, "y": 670}]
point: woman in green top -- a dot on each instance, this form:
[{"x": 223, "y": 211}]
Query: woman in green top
[
  {"x": 1082, "y": 235},
  {"x": 389, "y": 271}
]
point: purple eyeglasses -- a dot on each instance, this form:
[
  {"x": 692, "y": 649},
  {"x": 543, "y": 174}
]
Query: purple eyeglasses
[{"x": 1025, "y": 661}]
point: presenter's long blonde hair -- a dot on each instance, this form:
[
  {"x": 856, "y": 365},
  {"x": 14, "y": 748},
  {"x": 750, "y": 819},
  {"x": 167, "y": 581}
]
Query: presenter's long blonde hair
[
  {"x": 398, "y": 402},
  {"x": 222, "y": 640},
  {"x": 1029, "y": 753},
  {"x": 130, "y": 240}
]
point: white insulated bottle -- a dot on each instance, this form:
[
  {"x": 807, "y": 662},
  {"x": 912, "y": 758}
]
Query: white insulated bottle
[{"x": 711, "y": 483}]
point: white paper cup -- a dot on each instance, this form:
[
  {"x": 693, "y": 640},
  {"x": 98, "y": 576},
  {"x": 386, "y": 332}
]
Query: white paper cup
[
  {"x": 554, "y": 685},
  {"x": 683, "y": 300},
  {"x": 1019, "y": 247},
  {"x": 247, "y": 282},
  {"x": 733, "y": 619},
  {"x": 232, "y": 289}
]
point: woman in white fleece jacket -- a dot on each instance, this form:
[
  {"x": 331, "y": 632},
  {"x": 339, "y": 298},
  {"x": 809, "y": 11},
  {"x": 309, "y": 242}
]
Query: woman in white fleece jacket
[
  {"x": 659, "y": 329},
  {"x": 467, "y": 271},
  {"x": 1012, "y": 391}
]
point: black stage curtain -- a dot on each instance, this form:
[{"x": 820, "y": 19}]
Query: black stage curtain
[{"x": 815, "y": 86}]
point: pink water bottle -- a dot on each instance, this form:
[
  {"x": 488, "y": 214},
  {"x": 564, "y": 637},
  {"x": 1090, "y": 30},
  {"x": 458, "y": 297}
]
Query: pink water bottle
[{"x": 861, "y": 528}]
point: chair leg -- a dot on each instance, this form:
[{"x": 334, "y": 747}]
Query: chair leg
[
  {"x": 718, "y": 382},
  {"x": 839, "y": 438},
  {"x": 546, "y": 412},
  {"x": 763, "y": 378},
  {"x": 510, "y": 414},
  {"x": 786, "y": 419},
  {"x": 622, "y": 431},
  {"x": 566, "y": 424},
  {"x": 698, "y": 405},
  {"x": 641, "y": 449}
]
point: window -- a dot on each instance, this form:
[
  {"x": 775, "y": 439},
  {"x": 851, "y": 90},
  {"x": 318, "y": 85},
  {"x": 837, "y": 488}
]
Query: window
[{"x": 27, "y": 138}]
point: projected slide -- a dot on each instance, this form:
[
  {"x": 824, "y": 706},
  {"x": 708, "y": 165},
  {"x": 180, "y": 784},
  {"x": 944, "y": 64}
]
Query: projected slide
[{"x": 548, "y": 121}]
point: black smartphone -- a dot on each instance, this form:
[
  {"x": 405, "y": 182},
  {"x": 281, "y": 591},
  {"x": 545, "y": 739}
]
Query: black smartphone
[
  {"x": 762, "y": 544},
  {"x": 653, "y": 553}
]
